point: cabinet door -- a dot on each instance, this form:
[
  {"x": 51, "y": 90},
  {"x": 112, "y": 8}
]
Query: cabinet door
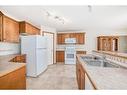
[
  {"x": 78, "y": 74},
  {"x": 10, "y": 30},
  {"x": 82, "y": 86},
  {"x": 32, "y": 30},
  {"x": 1, "y": 27},
  {"x": 59, "y": 56},
  {"x": 63, "y": 36},
  {"x": 59, "y": 38},
  {"x": 79, "y": 38},
  {"x": 29, "y": 29}
]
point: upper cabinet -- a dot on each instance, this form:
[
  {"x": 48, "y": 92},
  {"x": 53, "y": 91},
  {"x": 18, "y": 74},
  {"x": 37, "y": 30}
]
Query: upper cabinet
[
  {"x": 80, "y": 37},
  {"x": 107, "y": 43},
  {"x": 28, "y": 28},
  {"x": 9, "y": 29}
]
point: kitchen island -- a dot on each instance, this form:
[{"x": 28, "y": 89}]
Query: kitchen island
[
  {"x": 12, "y": 72},
  {"x": 102, "y": 78}
]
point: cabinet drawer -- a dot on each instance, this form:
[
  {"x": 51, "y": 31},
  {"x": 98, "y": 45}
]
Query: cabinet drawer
[{"x": 60, "y": 56}]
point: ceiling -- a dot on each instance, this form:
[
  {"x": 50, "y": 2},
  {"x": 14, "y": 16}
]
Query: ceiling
[{"x": 76, "y": 17}]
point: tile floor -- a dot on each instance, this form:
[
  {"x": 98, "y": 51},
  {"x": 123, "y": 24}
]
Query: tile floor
[{"x": 56, "y": 77}]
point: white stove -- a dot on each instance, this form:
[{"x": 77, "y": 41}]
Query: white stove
[
  {"x": 70, "y": 55},
  {"x": 70, "y": 51}
]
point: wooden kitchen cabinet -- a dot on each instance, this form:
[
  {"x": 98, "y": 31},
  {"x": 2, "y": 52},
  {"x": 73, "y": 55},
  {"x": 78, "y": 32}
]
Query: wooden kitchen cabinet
[
  {"x": 15, "y": 80},
  {"x": 60, "y": 56},
  {"x": 9, "y": 31},
  {"x": 25, "y": 27},
  {"x": 80, "y": 37},
  {"x": 107, "y": 43},
  {"x": 80, "y": 74},
  {"x": 80, "y": 52}
]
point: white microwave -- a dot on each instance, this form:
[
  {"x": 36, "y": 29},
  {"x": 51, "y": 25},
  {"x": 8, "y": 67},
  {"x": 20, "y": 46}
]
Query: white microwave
[{"x": 70, "y": 40}]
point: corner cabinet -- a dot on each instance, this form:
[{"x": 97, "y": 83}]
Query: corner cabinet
[
  {"x": 9, "y": 29},
  {"x": 80, "y": 37},
  {"x": 107, "y": 43},
  {"x": 25, "y": 27}
]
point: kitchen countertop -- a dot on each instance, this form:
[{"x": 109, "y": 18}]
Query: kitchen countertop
[
  {"x": 117, "y": 54},
  {"x": 106, "y": 78},
  {"x": 6, "y": 66}
]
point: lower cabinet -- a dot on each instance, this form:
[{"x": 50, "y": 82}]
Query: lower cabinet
[
  {"x": 14, "y": 80},
  {"x": 60, "y": 56}
]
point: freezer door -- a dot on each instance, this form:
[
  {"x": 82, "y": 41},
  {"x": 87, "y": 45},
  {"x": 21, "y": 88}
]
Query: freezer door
[
  {"x": 41, "y": 42},
  {"x": 41, "y": 59}
]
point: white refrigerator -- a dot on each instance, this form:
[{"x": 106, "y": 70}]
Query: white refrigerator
[{"x": 36, "y": 54}]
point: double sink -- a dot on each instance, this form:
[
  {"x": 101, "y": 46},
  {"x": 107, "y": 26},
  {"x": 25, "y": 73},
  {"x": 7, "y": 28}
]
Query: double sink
[{"x": 93, "y": 60}]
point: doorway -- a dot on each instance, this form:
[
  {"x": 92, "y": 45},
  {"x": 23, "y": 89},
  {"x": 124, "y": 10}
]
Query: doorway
[{"x": 50, "y": 46}]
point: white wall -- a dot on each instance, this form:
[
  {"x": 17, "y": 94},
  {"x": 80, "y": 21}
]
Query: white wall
[
  {"x": 123, "y": 44},
  {"x": 91, "y": 38},
  {"x": 9, "y": 48}
]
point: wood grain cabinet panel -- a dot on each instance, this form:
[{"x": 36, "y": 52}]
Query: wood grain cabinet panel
[
  {"x": 107, "y": 43},
  {"x": 60, "y": 56},
  {"x": 9, "y": 29},
  {"x": 28, "y": 28},
  {"x": 59, "y": 38},
  {"x": 83, "y": 79},
  {"x": 1, "y": 26},
  {"x": 80, "y": 52},
  {"x": 80, "y": 37},
  {"x": 14, "y": 80}
]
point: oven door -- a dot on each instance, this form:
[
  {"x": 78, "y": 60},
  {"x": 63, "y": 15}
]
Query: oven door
[{"x": 70, "y": 56}]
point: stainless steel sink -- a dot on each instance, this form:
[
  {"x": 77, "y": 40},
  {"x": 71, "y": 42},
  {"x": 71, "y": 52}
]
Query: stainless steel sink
[{"x": 96, "y": 61}]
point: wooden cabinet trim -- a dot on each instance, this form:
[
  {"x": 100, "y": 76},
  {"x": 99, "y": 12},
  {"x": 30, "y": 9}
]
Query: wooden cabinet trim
[{"x": 26, "y": 27}]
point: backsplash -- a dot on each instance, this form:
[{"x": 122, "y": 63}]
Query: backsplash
[
  {"x": 115, "y": 59},
  {"x": 9, "y": 48}
]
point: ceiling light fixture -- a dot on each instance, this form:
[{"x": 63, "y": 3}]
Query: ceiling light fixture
[{"x": 55, "y": 17}]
